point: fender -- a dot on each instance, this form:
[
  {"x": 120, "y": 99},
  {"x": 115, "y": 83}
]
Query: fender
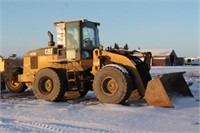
[{"x": 120, "y": 60}]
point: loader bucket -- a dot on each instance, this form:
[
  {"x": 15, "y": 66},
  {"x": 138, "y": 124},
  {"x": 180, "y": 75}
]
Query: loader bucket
[{"x": 159, "y": 89}]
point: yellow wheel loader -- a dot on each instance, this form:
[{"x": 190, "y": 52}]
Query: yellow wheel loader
[
  {"x": 9, "y": 75},
  {"x": 78, "y": 63}
]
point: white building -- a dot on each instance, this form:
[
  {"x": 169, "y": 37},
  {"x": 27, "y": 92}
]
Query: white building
[{"x": 192, "y": 61}]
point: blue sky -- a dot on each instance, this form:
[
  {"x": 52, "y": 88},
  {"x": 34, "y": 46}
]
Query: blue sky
[{"x": 155, "y": 24}]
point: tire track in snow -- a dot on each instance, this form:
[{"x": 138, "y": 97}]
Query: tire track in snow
[
  {"x": 9, "y": 125},
  {"x": 66, "y": 127},
  {"x": 20, "y": 126}
]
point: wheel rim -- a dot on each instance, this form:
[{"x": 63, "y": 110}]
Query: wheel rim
[
  {"x": 14, "y": 84},
  {"x": 45, "y": 85},
  {"x": 109, "y": 86}
]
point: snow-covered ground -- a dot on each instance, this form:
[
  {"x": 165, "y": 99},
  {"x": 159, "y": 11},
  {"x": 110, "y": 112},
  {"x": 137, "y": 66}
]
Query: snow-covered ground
[{"x": 24, "y": 113}]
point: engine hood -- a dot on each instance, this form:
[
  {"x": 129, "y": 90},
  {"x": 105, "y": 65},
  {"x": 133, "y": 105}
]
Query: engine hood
[{"x": 41, "y": 51}]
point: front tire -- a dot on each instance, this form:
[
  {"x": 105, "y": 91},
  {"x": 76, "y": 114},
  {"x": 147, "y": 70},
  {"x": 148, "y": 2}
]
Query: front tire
[
  {"x": 112, "y": 85},
  {"x": 49, "y": 85}
]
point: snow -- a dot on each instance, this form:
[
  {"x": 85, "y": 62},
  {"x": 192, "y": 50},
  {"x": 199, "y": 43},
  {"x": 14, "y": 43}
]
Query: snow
[{"x": 24, "y": 113}]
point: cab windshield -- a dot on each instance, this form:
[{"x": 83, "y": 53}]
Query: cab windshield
[{"x": 90, "y": 36}]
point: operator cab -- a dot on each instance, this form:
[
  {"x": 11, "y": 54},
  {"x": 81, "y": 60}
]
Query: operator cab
[{"x": 78, "y": 37}]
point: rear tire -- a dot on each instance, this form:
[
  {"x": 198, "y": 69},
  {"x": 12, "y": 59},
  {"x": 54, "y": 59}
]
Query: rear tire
[
  {"x": 49, "y": 85},
  {"x": 111, "y": 85},
  {"x": 14, "y": 85}
]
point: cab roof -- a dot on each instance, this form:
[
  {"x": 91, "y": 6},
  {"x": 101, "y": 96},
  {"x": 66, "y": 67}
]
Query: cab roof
[{"x": 78, "y": 20}]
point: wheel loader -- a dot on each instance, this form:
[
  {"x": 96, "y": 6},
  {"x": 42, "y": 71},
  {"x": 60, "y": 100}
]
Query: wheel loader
[{"x": 78, "y": 64}]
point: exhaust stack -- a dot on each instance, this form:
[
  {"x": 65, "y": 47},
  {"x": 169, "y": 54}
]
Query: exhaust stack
[{"x": 51, "y": 42}]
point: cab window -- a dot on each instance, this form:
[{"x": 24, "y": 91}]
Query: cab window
[
  {"x": 72, "y": 41},
  {"x": 90, "y": 39},
  {"x": 72, "y": 35}
]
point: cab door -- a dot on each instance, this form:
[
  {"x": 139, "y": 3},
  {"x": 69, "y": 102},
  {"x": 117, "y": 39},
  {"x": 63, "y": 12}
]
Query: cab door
[
  {"x": 90, "y": 40},
  {"x": 73, "y": 41}
]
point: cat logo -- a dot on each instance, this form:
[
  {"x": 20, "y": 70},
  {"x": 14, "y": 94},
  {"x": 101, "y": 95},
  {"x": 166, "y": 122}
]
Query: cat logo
[{"x": 48, "y": 51}]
